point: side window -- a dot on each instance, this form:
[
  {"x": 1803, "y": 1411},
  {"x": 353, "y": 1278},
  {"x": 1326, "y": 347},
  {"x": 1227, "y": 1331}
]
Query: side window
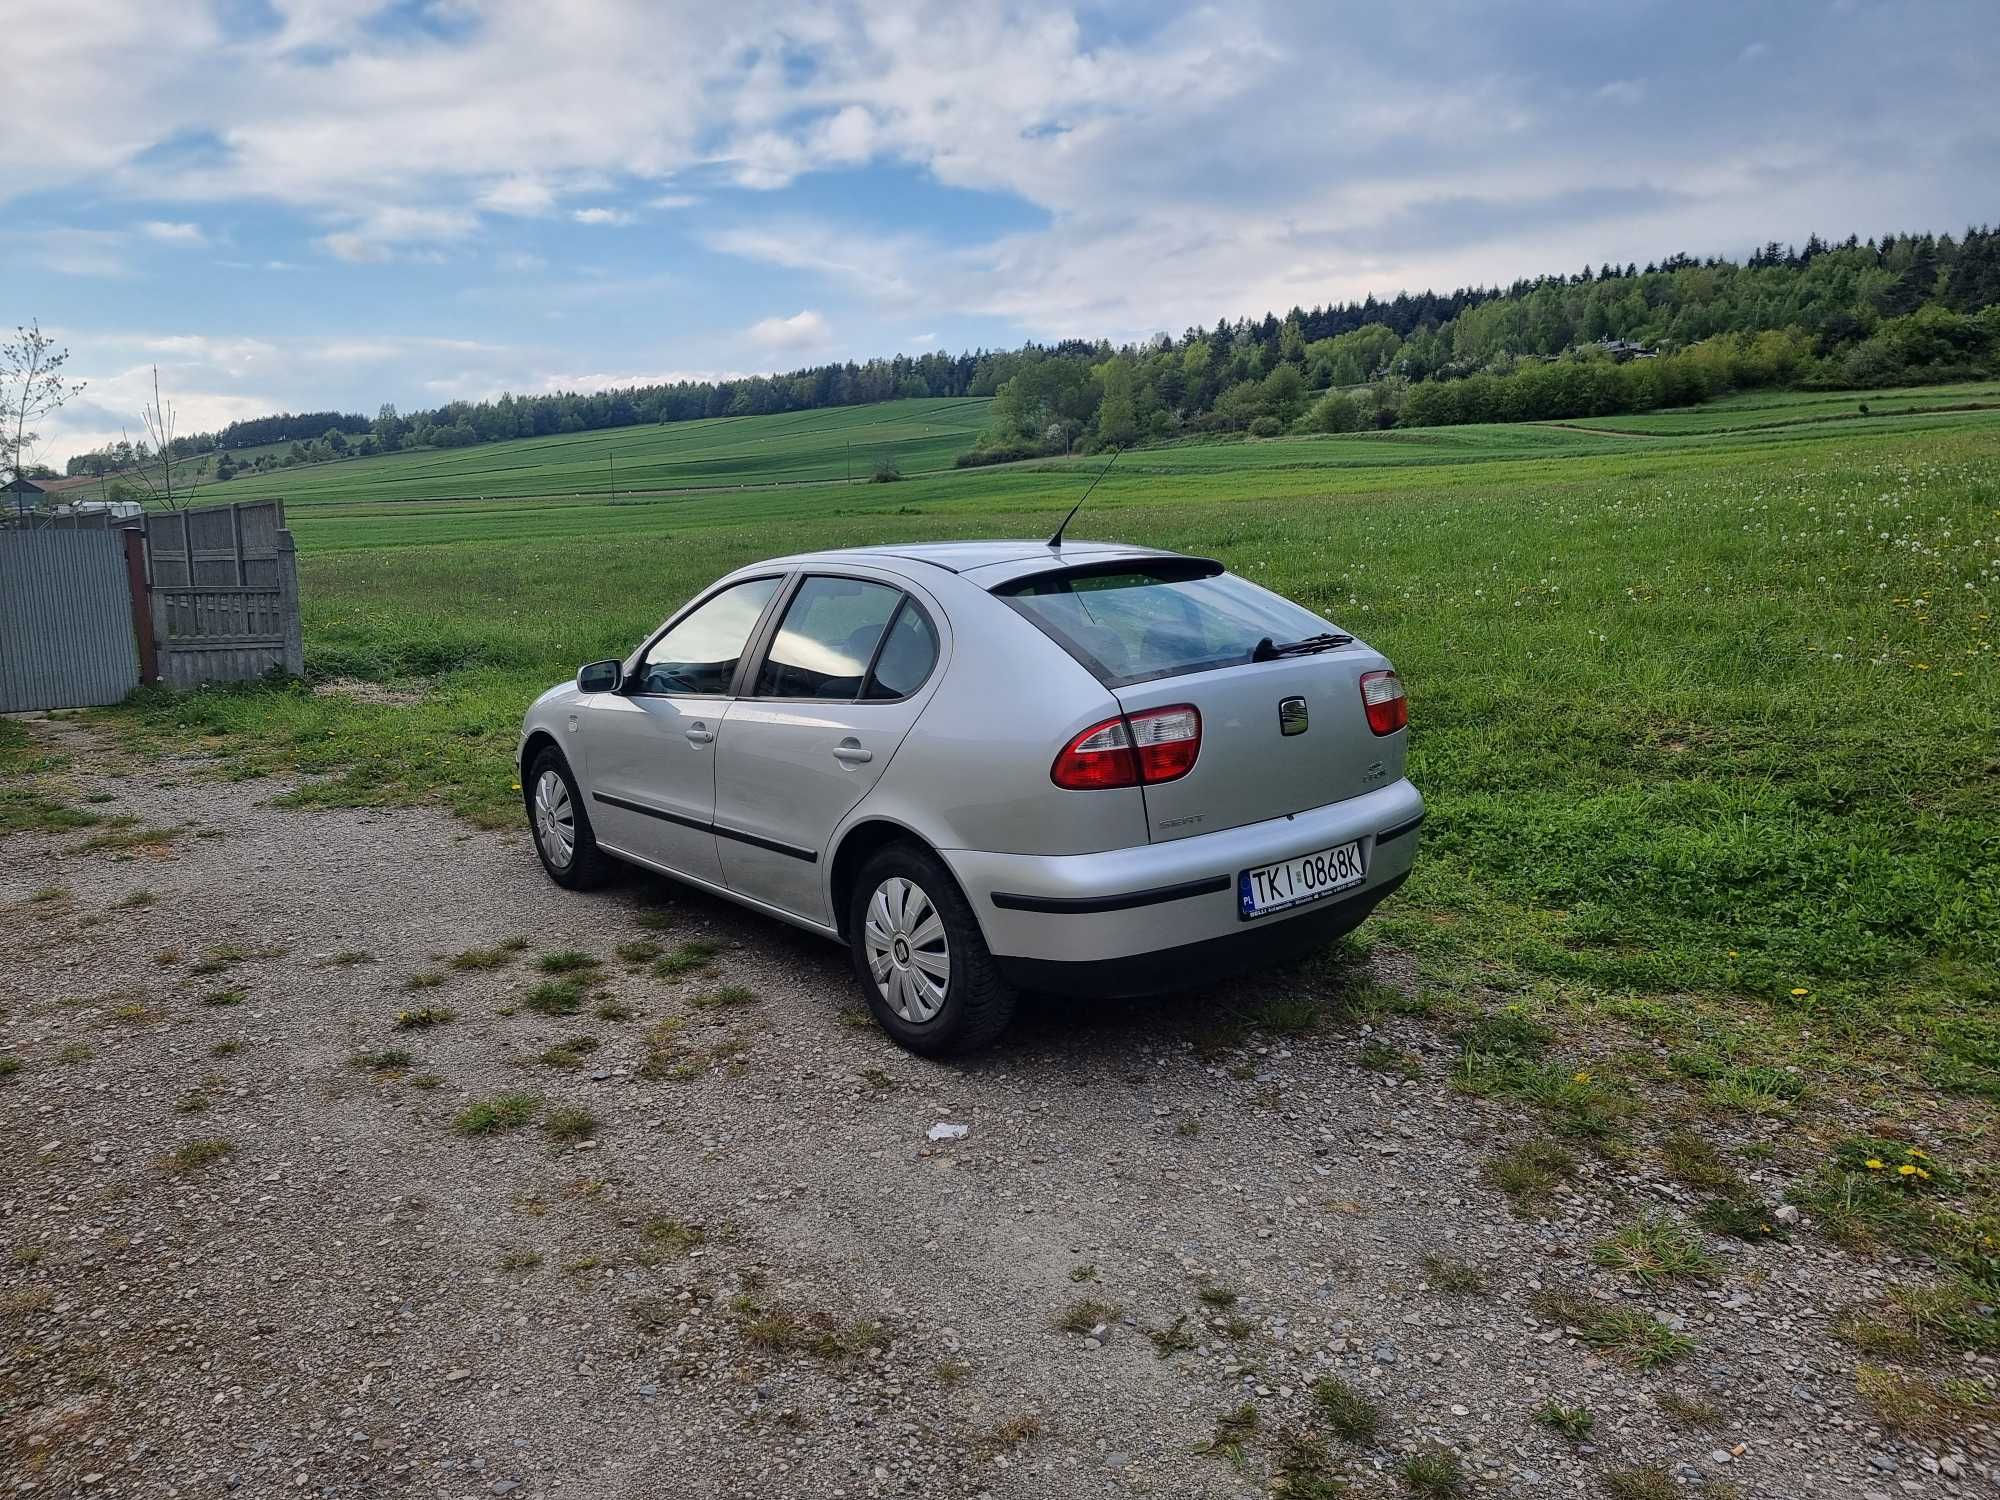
[
  {"x": 827, "y": 639},
  {"x": 907, "y": 656},
  {"x": 698, "y": 656}
]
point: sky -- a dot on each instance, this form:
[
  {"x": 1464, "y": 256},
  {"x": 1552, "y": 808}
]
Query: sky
[{"x": 305, "y": 204}]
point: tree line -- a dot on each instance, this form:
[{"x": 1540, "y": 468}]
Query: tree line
[{"x": 1856, "y": 314}]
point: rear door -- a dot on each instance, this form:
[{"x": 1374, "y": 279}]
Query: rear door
[
  {"x": 848, "y": 668},
  {"x": 1278, "y": 736}
]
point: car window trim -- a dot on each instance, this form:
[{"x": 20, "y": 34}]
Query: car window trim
[
  {"x": 748, "y": 674},
  {"x": 635, "y": 674}
]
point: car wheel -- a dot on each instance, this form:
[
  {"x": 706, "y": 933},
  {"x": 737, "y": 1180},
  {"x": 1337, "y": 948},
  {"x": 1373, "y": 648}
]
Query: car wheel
[
  {"x": 561, "y": 827},
  {"x": 923, "y": 964}
]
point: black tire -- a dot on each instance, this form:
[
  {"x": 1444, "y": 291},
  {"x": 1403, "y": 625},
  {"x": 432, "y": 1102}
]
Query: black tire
[
  {"x": 977, "y": 1003},
  {"x": 588, "y": 866}
]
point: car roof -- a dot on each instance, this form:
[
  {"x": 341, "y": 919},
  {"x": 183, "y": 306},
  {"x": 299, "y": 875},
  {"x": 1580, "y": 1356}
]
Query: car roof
[{"x": 1004, "y": 557}]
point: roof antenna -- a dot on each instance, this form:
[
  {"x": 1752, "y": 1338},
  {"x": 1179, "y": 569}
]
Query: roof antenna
[{"x": 1055, "y": 542}]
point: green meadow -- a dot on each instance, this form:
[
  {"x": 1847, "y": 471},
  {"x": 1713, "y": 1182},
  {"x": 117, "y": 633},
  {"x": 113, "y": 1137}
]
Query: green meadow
[
  {"x": 1706, "y": 718},
  {"x": 916, "y": 436}
]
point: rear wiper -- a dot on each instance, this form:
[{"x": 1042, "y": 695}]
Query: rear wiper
[{"x": 1265, "y": 650}]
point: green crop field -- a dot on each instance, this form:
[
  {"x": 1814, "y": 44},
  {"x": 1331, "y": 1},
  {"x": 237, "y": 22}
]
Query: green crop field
[
  {"x": 1772, "y": 409},
  {"x": 1706, "y": 721},
  {"x": 916, "y": 436}
]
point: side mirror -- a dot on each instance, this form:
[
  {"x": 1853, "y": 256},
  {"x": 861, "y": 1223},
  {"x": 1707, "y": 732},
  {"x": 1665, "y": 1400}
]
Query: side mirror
[{"x": 600, "y": 677}]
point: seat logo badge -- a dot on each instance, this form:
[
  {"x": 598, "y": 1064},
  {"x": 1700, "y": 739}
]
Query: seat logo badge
[{"x": 1292, "y": 715}]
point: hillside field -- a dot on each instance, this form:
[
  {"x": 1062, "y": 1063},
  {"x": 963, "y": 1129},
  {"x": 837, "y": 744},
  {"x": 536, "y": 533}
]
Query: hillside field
[
  {"x": 917, "y": 436},
  {"x": 1706, "y": 722}
]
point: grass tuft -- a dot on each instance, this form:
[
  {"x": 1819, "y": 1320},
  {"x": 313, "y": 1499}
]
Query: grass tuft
[
  {"x": 1233, "y": 1430},
  {"x": 1085, "y": 1314},
  {"x": 1453, "y": 1276},
  {"x": 556, "y": 997},
  {"x": 1655, "y": 1251},
  {"x": 509, "y": 1111},
  {"x": 1433, "y": 1474},
  {"x": 1573, "y": 1422},
  {"x": 568, "y": 961},
  {"x": 1640, "y": 1482},
  {"x": 570, "y": 1123},
  {"x": 423, "y": 1019},
  {"x": 1638, "y": 1338},
  {"x": 687, "y": 958},
  {"x": 196, "y": 1154},
  {"x": 1528, "y": 1173},
  {"x": 1347, "y": 1409}
]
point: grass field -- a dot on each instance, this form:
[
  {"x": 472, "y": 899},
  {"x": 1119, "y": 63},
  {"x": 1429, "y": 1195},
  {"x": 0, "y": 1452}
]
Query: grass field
[
  {"x": 917, "y": 436},
  {"x": 1707, "y": 722}
]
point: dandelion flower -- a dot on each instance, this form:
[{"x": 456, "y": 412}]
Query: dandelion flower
[
  {"x": 1583, "y": 1077},
  {"x": 1875, "y": 1164},
  {"x": 1798, "y": 994},
  {"x": 1906, "y": 1170}
]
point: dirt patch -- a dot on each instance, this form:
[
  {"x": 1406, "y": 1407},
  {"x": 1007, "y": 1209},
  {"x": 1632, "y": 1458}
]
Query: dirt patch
[{"x": 320, "y": 1177}]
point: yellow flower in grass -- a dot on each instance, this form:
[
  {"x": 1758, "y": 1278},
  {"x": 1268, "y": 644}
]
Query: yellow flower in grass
[
  {"x": 1920, "y": 1156},
  {"x": 1875, "y": 1164},
  {"x": 1798, "y": 994},
  {"x": 1906, "y": 1170},
  {"x": 1584, "y": 1076}
]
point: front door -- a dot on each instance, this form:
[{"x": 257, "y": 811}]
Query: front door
[
  {"x": 649, "y": 750},
  {"x": 845, "y": 676}
]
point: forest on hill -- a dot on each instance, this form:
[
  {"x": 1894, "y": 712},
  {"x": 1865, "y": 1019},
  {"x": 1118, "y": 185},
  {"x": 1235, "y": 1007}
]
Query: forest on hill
[{"x": 1607, "y": 339}]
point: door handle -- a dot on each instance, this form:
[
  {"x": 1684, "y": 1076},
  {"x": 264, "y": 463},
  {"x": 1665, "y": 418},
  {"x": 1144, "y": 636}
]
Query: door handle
[
  {"x": 700, "y": 734},
  {"x": 852, "y": 753}
]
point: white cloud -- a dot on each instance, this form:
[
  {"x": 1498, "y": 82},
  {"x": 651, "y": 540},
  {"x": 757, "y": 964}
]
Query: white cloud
[
  {"x": 518, "y": 195},
  {"x": 674, "y": 200},
  {"x": 921, "y": 340},
  {"x": 170, "y": 233},
  {"x": 802, "y": 333},
  {"x": 609, "y": 216}
]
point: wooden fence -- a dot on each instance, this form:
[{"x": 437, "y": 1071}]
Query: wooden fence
[
  {"x": 211, "y": 595},
  {"x": 225, "y": 593}
]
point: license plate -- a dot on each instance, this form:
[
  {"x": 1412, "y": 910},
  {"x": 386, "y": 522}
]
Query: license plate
[{"x": 1293, "y": 882}]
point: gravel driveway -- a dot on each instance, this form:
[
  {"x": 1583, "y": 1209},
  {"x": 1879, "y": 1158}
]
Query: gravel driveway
[{"x": 755, "y": 1273}]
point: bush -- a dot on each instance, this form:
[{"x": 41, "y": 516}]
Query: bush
[
  {"x": 885, "y": 472},
  {"x": 1266, "y": 427}
]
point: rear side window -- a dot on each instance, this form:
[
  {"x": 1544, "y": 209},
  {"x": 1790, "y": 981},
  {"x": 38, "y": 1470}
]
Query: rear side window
[
  {"x": 1156, "y": 619},
  {"x": 828, "y": 638},
  {"x": 908, "y": 654}
]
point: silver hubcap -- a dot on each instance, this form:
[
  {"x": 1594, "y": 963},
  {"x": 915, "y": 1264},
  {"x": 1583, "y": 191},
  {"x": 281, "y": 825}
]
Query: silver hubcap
[
  {"x": 908, "y": 956},
  {"x": 555, "y": 819}
]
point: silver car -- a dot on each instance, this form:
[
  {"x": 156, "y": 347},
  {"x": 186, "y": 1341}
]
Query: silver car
[{"x": 986, "y": 767}]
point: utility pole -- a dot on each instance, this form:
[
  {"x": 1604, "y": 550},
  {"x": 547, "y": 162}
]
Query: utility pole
[
  {"x": 848, "y": 476},
  {"x": 613, "y": 457}
]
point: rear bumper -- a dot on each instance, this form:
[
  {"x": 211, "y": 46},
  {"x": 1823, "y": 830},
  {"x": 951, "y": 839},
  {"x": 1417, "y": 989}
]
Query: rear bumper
[
  {"x": 1192, "y": 965},
  {"x": 1167, "y": 905}
]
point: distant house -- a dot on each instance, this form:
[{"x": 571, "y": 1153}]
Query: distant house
[
  {"x": 1624, "y": 349},
  {"x": 23, "y": 495}
]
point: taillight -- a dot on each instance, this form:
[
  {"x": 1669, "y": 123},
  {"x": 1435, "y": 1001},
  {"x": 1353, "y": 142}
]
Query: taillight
[
  {"x": 1382, "y": 696},
  {"x": 1158, "y": 745}
]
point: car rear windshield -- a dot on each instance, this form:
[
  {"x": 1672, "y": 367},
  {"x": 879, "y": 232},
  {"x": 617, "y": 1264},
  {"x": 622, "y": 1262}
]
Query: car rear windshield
[{"x": 1149, "y": 620}]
